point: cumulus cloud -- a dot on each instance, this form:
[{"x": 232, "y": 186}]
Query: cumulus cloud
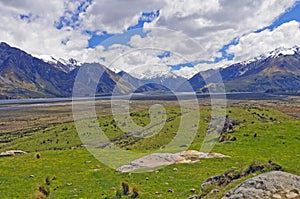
[
  {"x": 190, "y": 29},
  {"x": 287, "y": 35},
  {"x": 115, "y": 16},
  {"x": 189, "y": 72},
  {"x": 38, "y": 36},
  {"x": 215, "y": 23}
]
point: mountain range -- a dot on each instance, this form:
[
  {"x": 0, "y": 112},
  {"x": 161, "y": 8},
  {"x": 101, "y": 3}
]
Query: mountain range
[
  {"x": 275, "y": 71},
  {"x": 25, "y": 76}
]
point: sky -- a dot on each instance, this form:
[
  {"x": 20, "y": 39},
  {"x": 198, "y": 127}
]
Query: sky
[{"x": 179, "y": 37}]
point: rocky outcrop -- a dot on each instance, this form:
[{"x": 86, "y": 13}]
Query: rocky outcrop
[
  {"x": 12, "y": 153},
  {"x": 156, "y": 160},
  {"x": 275, "y": 184}
]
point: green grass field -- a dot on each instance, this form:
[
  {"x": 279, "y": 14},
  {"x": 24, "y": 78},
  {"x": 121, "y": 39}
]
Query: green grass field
[{"x": 72, "y": 172}]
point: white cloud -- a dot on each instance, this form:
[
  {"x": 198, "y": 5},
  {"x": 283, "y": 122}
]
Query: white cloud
[
  {"x": 219, "y": 21},
  {"x": 174, "y": 41},
  {"x": 287, "y": 35},
  {"x": 189, "y": 72},
  {"x": 201, "y": 28},
  {"x": 115, "y": 16}
]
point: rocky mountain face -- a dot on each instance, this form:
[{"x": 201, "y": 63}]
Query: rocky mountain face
[
  {"x": 276, "y": 71},
  {"x": 25, "y": 76},
  {"x": 22, "y": 75}
]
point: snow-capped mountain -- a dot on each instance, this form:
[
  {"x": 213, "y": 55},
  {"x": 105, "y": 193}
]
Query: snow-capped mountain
[
  {"x": 248, "y": 66},
  {"x": 277, "y": 70},
  {"x": 158, "y": 75},
  {"x": 147, "y": 73},
  {"x": 60, "y": 63},
  {"x": 25, "y": 76},
  {"x": 22, "y": 75},
  {"x": 273, "y": 54},
  {"x": 164, "y": 78}
]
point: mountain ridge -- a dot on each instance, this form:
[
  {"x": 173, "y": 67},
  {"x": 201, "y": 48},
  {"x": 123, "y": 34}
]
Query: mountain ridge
[
  {"x": 25, "y": 76},
  {"x": 277, "y": 70}
]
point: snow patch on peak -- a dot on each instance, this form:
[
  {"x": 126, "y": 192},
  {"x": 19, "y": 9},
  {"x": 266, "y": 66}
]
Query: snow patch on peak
[
  {"x": 273, "y": 54},
  {"x": 145, "y": 72},
  {"x": 69, "y": 62},
  {"x": 151, "y": 74},
  {"x": 60, "y": 63},
  {"x": 46, "y": 58},
  {"x": 284, "y": 51},
  {"x": 115, "y": 70}
]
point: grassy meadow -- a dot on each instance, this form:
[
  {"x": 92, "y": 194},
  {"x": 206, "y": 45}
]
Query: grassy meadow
[{"x": 264, "y": 131}]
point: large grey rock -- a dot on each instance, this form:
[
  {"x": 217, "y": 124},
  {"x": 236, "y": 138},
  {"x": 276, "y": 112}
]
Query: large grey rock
[
  {"x": 267, "y": 185},
  {"x": 156, "y": 160}
]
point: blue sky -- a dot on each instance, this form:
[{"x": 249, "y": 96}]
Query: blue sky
[
  {"x": 290, "y": 15},
  {"x": 107, "y": 39},
  {"x": 228, "y": 31},
  {"x": 123, "y": 38}
]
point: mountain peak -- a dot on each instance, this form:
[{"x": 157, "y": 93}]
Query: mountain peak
[
  {"x": 283, "y": 51},
  {"x": 280, "y": 51},
  {"x": 62, "y": 64},
  {"x": 3, "y": 44}
]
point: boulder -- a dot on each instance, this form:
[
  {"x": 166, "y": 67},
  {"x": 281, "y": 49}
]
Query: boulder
[
  {"x": 156, "y": 160},
  {"x": 12, "y": 153},
  {"x": 273, "y": 184}
]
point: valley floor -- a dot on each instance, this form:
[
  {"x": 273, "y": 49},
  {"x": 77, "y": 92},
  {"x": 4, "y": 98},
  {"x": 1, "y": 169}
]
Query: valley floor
[{"x": 265, "y": 130}]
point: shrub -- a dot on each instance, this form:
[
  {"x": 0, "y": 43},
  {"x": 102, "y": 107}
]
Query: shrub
[
  {"x": 125, "y": 188},
  {"x": 222, "y": 138},
  {"x": 232, "y": 175},
  {"x": 44, "y": 190},
  {"x": 135, "y": 193},
  {"x": 254, "y": 167},
  {"x": 273, "y": 166},
  {"x": 39, "y": 195},
  {"x": 118, "y": 194},
  {"x": 37, "y": 155},
  {"x": 47, "y": 180},
  {"x": 233, "y": 138}
]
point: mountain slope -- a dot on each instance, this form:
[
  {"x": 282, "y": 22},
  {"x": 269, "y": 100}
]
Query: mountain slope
[
  {"x": 278, "y": 70},
  {"x": 143, "y": 85},
  {"x": 24, "y": 76},
  {"x": 64, "y": 65},
  {"x": 171, "y": 82}
]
